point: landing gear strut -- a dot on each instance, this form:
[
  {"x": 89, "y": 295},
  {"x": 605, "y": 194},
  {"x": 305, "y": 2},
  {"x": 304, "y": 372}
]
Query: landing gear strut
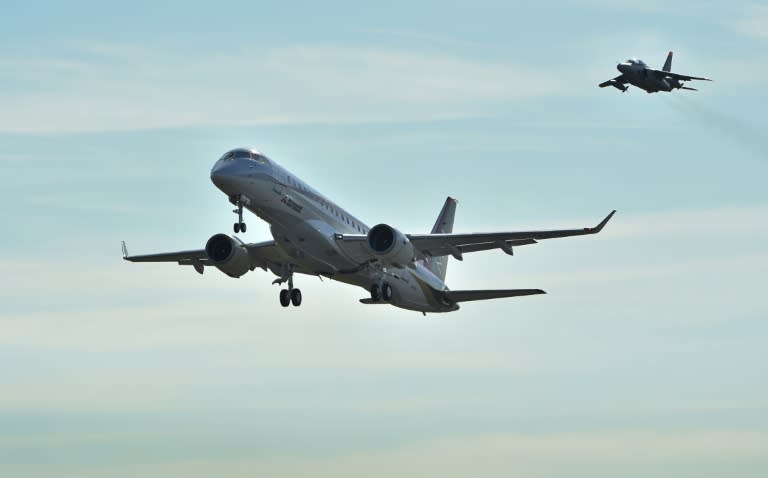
[
  {"x": 290, "y": 295},
  {"x": 239, "y": 225}
]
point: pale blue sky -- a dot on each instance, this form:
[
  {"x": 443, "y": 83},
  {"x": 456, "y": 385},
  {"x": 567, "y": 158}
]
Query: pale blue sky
[{"x": 646, "y": 358}]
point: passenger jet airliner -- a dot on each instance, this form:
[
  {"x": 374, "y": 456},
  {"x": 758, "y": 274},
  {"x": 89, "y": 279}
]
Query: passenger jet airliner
[{"x": 313, "y": 235}]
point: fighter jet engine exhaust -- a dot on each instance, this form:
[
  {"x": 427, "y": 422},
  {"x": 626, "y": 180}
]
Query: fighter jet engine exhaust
[{"x": 729, "y": 126}]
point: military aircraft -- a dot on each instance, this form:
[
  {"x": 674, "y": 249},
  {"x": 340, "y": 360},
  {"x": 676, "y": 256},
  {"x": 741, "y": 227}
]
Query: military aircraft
[
  {"x": 315, "y": 236},
  {"x": 637, "y": 73}
]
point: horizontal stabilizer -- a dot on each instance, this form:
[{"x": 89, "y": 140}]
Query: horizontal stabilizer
[
  {"x": 469, "y": 295},
  {"x": 688, "y": 88},
  {"x": 371, "y": 301}
]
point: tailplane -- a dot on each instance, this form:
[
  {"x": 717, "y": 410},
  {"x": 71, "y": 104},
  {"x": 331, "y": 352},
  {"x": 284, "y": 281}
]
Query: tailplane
[
  {"x": 668, "y": 64},
  {"x": 469, "y": 295},
  {"x": 443, "y": 225}
]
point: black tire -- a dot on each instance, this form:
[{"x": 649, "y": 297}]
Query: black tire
[
  {"x": 237, "y": 227},
  {"x": 242, "y": 227},
  {"x": 285, "y": 298},
  {"x": 296, "y": 297},
  {"x": 386, "y": 292},
  {"x": 375, "y": 293}
]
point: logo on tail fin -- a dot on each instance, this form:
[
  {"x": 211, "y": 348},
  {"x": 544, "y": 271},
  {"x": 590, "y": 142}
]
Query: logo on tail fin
[{"x": 443, "y": 225}]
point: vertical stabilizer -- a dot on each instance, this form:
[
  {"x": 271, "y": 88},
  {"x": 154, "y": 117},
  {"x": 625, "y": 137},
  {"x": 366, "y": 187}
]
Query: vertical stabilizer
[
  {"x": 443, "y": 225},
  {"x": 668, "y": 63}
]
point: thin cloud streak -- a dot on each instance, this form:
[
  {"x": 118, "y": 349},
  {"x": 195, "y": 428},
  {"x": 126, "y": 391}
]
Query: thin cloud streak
[
  {"x": 754, "y": 23},
  {"x": 710, "y": 453},
  {"x": 286, "y": 85}
]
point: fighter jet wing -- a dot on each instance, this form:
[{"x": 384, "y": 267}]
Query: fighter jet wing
[
  {"x": 677, "y": 76},
  {"x": 613, "y": 82}
]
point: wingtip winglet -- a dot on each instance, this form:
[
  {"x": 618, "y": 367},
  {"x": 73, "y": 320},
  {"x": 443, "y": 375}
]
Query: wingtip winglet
[
  {"x": 602, "y": 224},
  {"x": 125, "y": 250}
]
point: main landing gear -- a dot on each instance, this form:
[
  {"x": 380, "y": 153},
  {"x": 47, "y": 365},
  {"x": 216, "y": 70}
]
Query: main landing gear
[
  {"x": 290, "y": 295},
  {"x": 239, "y": 225},
  {"x": 381, "y": 293}
]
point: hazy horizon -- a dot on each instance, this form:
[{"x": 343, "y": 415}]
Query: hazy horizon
[{"x": 645, "y": 358}]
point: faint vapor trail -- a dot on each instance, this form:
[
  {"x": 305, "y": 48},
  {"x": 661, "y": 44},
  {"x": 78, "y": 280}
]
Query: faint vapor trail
[{"x": 734, "y": 129}]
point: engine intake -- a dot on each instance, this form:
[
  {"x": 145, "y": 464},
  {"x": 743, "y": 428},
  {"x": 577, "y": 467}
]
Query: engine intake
[
  {"x": 228, "y": 254},
  {"x": 390, "y": 245}
]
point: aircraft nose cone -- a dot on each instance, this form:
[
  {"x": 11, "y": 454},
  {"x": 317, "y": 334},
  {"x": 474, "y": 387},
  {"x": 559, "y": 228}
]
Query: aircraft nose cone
[{"x": 224, "y": 175}]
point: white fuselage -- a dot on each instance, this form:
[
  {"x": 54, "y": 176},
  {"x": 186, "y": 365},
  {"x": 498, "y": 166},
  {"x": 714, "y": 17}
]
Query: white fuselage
[{"x": 304, "y": 224}]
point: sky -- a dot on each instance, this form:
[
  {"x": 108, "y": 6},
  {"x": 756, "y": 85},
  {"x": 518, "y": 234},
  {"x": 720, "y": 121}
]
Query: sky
[{"x": 645, "y": 359}]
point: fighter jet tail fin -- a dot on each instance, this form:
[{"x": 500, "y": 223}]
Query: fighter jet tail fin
[{"x": 668, "y": 63}]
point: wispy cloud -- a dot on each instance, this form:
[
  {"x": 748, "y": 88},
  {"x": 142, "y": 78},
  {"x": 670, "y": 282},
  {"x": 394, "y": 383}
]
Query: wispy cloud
[
  {"x": 128, "y": 89},
  {"x": 754, "y": 22},
  {"x": 708, "y": 453}
]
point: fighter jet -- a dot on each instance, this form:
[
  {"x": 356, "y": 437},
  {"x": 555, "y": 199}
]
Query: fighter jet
[{"x": 637, "y": 73}]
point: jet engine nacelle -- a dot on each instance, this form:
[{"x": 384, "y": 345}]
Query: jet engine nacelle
[
  {"x": 672, "y": 82},
  {"x": 390, "y": 245},
  {"x": 228, "y": 254}
]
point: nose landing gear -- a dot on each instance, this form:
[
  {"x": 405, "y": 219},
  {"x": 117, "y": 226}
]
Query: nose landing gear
[{"x": 239, "y": 225}]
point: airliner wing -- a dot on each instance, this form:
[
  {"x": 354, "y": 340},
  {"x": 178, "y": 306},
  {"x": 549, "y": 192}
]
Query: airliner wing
[
  {"x": 678, "y": 76},
  {"x": 261, "y": 255},
  {"x": 457, "y": 244}
]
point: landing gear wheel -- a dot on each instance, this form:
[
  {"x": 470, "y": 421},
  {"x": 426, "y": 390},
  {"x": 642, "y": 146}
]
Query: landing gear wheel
[
  {"x": 386, "y": 292},
  {"x": 375, "y": 293},
  {"x": 239, "y": 225},
  {"x": 285, "y": 298},
  {"x": 296, "y": 297}
]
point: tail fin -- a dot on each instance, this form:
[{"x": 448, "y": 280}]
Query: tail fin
[
  {"x": 668, "y": 64},
  {"x": 443, "y": 225}
]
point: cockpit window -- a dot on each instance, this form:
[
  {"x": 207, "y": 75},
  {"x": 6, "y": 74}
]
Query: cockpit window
[{"x": 246, "y": 154}]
